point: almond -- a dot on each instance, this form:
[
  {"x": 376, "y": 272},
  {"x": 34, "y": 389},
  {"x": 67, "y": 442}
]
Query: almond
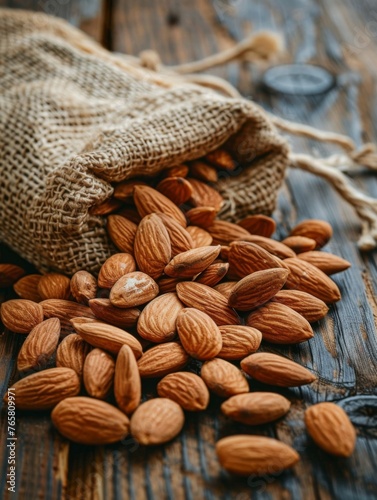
[
  {"x": 257, "y": 288},
  {"x": 311, "y": 308},
  {"x": 98, "y": 373},
  {"x": 157, "y": 321},
  {"x": 54, "y": 286},
  {"x": 107, "y": 207},
  {"x": 167, "y": 284},
  {"x": 246, "y": 258},
  {"x": 121, "y": 232},
  {"x": 224, "y": 232},
  {"x": 318, "y": 230},
  {"x": 326, "y": 262},
  {"x": 300, "y": 243},
  {"x": 27, "y": 287},
  {"x": 331, "y": 429},
  {"x": 177, "y": 171},
  {"x": 157, "y": 421},
  {"x": 177, "y": 189},
  {"x": 255, "y": 455},
  {"x": 114, "y": 268},
  {"x": 226, "y": 288},
  {"x": 9, "y": 274},
  {"x": 39, "y": 345},
  {"x": 152, "y": 246},
  {"x": 223, "y": 378},
  {"x": 162, "y": 359},
  {"x": 276, "y": 370},
  {"x": 213, "y": 274},
  {"x": 127, "y": 383},
  {"x": 149, "y": 200},
  {"x": 124, "y": 191},
  {"x": 44, "y": 389},
  {"x": 199, "y": 236},
  {"x": 256, "y": 408},
  {"x": 133, "y": 289},
  {"x": 186, "y": 389},
  {"x": 199, "y": 334},
  {"x": 310, "y": 279},
  {"x": 21, "y": 315},
  {"x": 272, "y": 246},
  {"x": 280, "y": 324},
  {"x": 180, "y": 239},
  {"x": 208, "y": 300},
  {"x": 221, "y": 159},
  {"x": 238, "y": 341},
  {"x": 201, "y": 216},
  {"x": 72, "y": 352},
  {"x": 260, "y": 225},
  {"x": 192, "y": 262},
  {"x": 90, "y": 421},
  {"x": 65, "y": 310},
  {"x": 83, "y": 287},
  {"x": 205, "y": 196},
  {"x": 105, "y": 311},
  {"x": 202, "y": 171},
  {"x": 107, "y": 337}
]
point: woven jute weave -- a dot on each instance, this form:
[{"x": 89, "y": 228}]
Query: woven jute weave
[{"x": 75, "y": 118}]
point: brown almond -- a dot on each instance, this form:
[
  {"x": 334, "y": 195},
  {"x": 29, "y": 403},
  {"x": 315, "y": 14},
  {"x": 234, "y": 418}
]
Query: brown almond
[
  {"x": 318, "y": 230},
  {"x": 27, "y": 287},
  {"x": 276, "y": 370},
  {"x": 162, "y": 359},
  {"x": 224, "y": 232},
  {"x": 247, "y": 258},
  {"x": 107, "y": 207},
  {"x": 121, "y": 232},
  {"x": 201, "y": 216},
  {"x": 180, "y": 239},
  {"x": 221, "y": 159},
  {"x": 238, "y": 341},
  {"x": 105, "y": 311},
  {"x": 223, "y": 378},
  {"x": 54, "y": 286},
  {"x": 21, "y": 315},
  {"x": 72, "y": 352},
  {"x": 311, "y": 308},
  {"x": 260, "y": 225},
  {"x": 192, "y": 262},
  {"x": 133, "y": 289},
  {"x": 300, "y": 243},
  {"x": 124, "y": 190},
  {"x": 186, "y": 389},
  {"x": 272, "y": 246},
  {"x": 65, "y": 310},
  {"x": 177, "y": 171},
  {"x": 177, "y": 189},
  {"x": 98, "y": 373},
  {"x": 114, "y": 268},
  {"x": 204, "y": 195},
  {"x": 157, "y": 421},
  {"x": 149, "y": 200},
  {"x": 127, "y": 383},
  {"x": 328, "y": 263},
  {"x": 213, "y": 274},
  {"x": 225, "y": 288},
  {"x": 83, "y": 287},
  {"x": 10, "y": 274},
  {"x": 199, "y": 236},
  {"x": 202, "y": 171}
]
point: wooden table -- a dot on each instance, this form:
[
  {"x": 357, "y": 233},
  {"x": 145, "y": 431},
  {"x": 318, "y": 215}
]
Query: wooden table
[{"x": 342, "y": 36}]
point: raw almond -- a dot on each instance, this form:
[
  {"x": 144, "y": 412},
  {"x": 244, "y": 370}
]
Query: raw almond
[
  {"x": 180, "y": 239},
  {"x": 208, "y": 300},
  {"x": 54, "y": 286},
  {"x": 260, "y": 225},
  {"x": 223, "y": 378},
  {"x": 9, "y": 274},
  {"x": 107, "y": 337},
  {"x": 27, "y": 287},
  {"x": 133, "y": 289},
  {"x": 127, "y": 383},
  {"x": 311, "y": 308},
  {"x": 300, "y": 243},
  {"x": 318, "y": 230},
  {"x": 221, "y": 159},
  {"x": 256, "y": 408},
  {"x": 177, "y": 189},
  {"x": 213, "y": 274},
  {"x": 246, "y": 258},
  {"x": 107, "y": 207},
  {"x": 98, "y": 373},
  {"x": 257, "y": 288},
  {"x": 201, "y": 216},
  {"x": 238, "y": 341},
  {"x": 65, "y": 310},
  {"x": 326, "y": 262},
  {"x": 21, "y": 315},
  {"x": 199, "y": 334},
  {"x": 202, "y": 171},
  {"x": 226, "y": 288},
  {"x": 157, "y": 421},
  {"x": 276, "y": 370},
  {"x": 124, "y": 191},
  {"x": 199, "y": 236},
  {"x": 114, "y": 268},
  {"x": 149, "y": 200},
  {"x": 204, "y": 195},
  {"x": 224, "y": 232},
  {"x": 83, "y": 287},
  {"x": 192, "y": 262},
  {"x": 162, "y": 359},
  {"x": 157, "y": 321},
  {"x": 272, "y": 246},
  {"x": 44, "y": 389},
  {"x": 246, "y": 455},
  {"x": 39, "y": 345},
  {"x": 90, "y": 421},
  {"x": 72, "y": 352},
  {"x": 331, "y": 429},
  {"x": 105, "y": 311},
  {"x": 308, "y": 278},
  {"x": 186, "y": 389},
  {"x": 122, "y": 232},
  {"x": 177, "y": 171}
]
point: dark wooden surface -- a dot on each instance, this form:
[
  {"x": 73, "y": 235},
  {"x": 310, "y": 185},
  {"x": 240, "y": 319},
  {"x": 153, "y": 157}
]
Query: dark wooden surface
[{"x": 342, "y": 36}]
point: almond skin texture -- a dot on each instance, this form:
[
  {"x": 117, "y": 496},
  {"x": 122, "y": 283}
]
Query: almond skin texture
[
  {"x": 200, "y": 236},
  {"x": 114, "y": 268},
  {"x": 83, "y": 287},
  {"x": 326, "y": 262},
  {"x": 300, "y": 243},
  {"x": 133, "y": 289},
  {"x": 54, "y": 286},
  {"x": 105, "y": 311},
  {"x": 98, "y": 373},
  {"x": 152, "y": 246},
  {"x": 238, "y": 341},
  {"x": 148, "y": 200},
  {"x": 310, "y": 279},
  {"x": 275, "y": 370},
  {"x": 157, "y": 421},
  {"x": 272, "y": 246},
  {"x": 213, "y": 274},
  {"x": 257, "y": 288},
  {"x": 223, "y": 378},
  {"x": 122, "y": 232},
  {"x": 27, "y": 287},
  {"x": 192, "y": 262},
  {"x": 186, "y": 389},
  {"x": 72, "y": 352},
  {"x": 201, "y": 216},
  {"x": 44, "y": 389},
  {"x": 260, "y": 225},
  {"x": 256, "y": 408},
  {"x": 21, "y": 315},
  {"x": 39, "y": 345},
  {"x": 224, "y": 232},
  {"x": 90, "y": 421},
  {"x": 331, "y": 429},
  {"x": 177, "y": 189},
  {"x": 280, "y": 324},
  {"x": 65, "y": 310},
  {"x": 199, "y": 334},
  {"x": 157, "y": 321},
  {"x": 208, "y": 300},
  {"x": 318, "y": 230},
  {"x": 311, "y": 308},
  {"x": 246, "y": 258},
  {"x": 107, "y": 337},
  {"x": 162, "y": 360},
  {"x": 204, "y": 195},
  {"x": 245, "y": 455},
  {"x": 127, "y": 383},
  {"x": 180, "y": 239},
  {"x": 9, "y": 274}
]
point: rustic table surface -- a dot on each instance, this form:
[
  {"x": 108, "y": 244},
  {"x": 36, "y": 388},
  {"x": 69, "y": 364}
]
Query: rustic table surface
[{"x": 342, "y": 36}]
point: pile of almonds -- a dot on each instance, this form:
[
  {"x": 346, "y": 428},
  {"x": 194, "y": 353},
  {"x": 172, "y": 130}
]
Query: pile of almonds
[{"x": 184, "y": 285}]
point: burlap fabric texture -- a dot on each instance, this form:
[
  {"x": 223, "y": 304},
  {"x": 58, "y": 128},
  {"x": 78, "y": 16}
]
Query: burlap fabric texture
[{"x": 74, "y": 119}]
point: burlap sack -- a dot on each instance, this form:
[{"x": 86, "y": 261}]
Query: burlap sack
[{"x": 75, "y": 118}]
